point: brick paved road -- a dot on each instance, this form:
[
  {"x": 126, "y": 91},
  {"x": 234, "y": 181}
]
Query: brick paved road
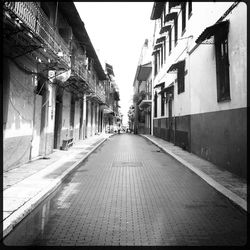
[{"x": 128, "y": 192}]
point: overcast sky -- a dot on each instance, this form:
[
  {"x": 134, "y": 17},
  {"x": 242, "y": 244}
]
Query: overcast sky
[{"x": 117, "y": 31}]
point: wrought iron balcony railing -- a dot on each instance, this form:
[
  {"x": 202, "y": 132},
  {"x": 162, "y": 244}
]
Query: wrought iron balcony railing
[
  {"x": 34, "y": 18},
  {"x": 91, "y": 82},
  {"x": 79, "y": 69},
  {"x": 100, "y": 94}
]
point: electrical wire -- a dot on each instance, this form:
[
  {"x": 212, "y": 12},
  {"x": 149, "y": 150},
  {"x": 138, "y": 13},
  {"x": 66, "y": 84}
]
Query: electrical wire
[
  {"x": 19, "y": 111},
  {"x": 14, "y": 80}
]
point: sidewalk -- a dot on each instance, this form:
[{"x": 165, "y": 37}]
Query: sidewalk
[
  {"x": 26, "y": 186},
  {"x": 230, "y": 185}
]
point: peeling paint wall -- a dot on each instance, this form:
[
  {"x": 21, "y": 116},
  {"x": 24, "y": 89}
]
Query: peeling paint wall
[
  {"x": 203, "y": 72},
  {"x": 218, "y": 129},
  {"x": 19, "y": 126},
  {"x": 65, "y": 132},
  {"x": 50, "y": 119},
  {"x": 214, "y": 130},
  {"x": 77, "y": 121}
]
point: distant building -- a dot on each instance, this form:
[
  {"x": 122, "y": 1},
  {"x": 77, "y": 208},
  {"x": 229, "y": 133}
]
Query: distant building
[
  {"x": 199, "y": 79},
  {"x": 112, "y": 116},
  {"x": 142, "y": 86},
  {"x": 53, "y": 82}
]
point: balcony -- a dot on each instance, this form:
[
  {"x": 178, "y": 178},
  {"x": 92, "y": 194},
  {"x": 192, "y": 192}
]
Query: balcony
[
  {"x": 79, "y": 70},
  {"x": 31, "y": 16},
  {"x": 100, "y": 92},
  {"x": 91, "y": 82}
]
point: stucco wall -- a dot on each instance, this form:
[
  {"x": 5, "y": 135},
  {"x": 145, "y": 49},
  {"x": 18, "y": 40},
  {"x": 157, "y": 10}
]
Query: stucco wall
[
  {"x": 18, "y": 131},
  {"x": 77, "y": 121},
  {"x": 220, "y": 137},
  {"x": 203, "y": 72},
  {"x": 84, "y": 116},
  {"x": 65, "y": 132},
  {"x": 213, "y": 130},
  {"x": 218, "y": 129},
  {"x": 89, "y": 112},
  {"x": 50, "y": 120}
]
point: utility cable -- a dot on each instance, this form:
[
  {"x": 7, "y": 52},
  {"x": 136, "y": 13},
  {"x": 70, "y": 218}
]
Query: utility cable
[{"x": 18, "y": 111}]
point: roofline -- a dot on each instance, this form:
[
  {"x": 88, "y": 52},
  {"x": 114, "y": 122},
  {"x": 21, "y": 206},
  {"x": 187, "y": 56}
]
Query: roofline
[{"x": 81, "y": 34}]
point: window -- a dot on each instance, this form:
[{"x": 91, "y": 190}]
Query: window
[
  {"x": 183, "y": 11},
  {"x": 175, "y": 30},
  {"x": 155, "y": 105},
  {"x": 162, "y": 103},
  {"x": 222, "y": 66},
  {"x": 180, "y": 68},
  {"x": 155, "y": 64},
  {"x": 181, "y": 80},
  {"x": 164, "y": 50},
  {"x": 163, "y": 16},
  {"x": 170, "y": 40},
  {"x": 189, "y": 9},
  {"x": 161, "y": 20},
  {"x": 161, "y": 55}
]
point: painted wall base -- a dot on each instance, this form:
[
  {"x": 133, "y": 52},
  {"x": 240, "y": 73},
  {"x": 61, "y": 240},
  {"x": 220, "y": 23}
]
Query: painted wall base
[{"x": 219, "y": 137}]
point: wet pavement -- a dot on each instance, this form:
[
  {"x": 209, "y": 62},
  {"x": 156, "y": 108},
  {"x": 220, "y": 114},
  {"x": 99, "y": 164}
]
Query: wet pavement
[{"x": 128, "y": 192}]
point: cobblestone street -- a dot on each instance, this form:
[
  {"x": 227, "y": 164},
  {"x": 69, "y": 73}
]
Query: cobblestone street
[{"x": 129, "y": 192}]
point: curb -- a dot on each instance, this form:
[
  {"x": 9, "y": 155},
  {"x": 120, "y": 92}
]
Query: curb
[
  {"x": 226, "y": 192},
  {"x": 10, "y": 222}
]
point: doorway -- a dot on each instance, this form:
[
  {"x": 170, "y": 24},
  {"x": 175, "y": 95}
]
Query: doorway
[
  {"x": 171, "y": 122},
  {"x": 81, "y": 120},
  {"x": 58, "y": 118}
]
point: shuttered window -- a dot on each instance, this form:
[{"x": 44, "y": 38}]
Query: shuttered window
[{"x": 222, "y": 66}]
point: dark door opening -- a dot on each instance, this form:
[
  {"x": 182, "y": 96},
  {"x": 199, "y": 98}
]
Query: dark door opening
[
  {"x": 171, "y": 125},
  {"x": 58, "y": 119},
  {"x": 72, "y": 117},
  {"x": 81, "y": 120}
]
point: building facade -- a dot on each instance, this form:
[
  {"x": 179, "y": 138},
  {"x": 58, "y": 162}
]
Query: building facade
[
  {"x": 53, "y": 82},
  {"x": 199, "y": 79},
  {"x": 142, "y": 86},
  {"x": 112, "y": 115}
]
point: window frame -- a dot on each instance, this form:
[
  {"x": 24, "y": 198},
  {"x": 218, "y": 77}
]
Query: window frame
[
  {"x": 164, "y": 50},
  {"x": 161, "y": 55},
  {"x": 162, "y": 102},
  {"x": 183, "y": 17},
  {"x": 181, "y": 79},
  {"x": 222, "y": 66},
  {"x": 190, "y": 9},
  {"x": 170, "y": 41},
  {"x": 176, "y": 30},
  {"x": 155, "y": 64},
  {"x": 155, "y": 104}
]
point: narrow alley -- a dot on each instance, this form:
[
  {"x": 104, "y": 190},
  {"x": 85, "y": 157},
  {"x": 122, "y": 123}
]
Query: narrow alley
[
  {"x": 124, "y": 124},
  {"x": 129, "y": 192}
]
